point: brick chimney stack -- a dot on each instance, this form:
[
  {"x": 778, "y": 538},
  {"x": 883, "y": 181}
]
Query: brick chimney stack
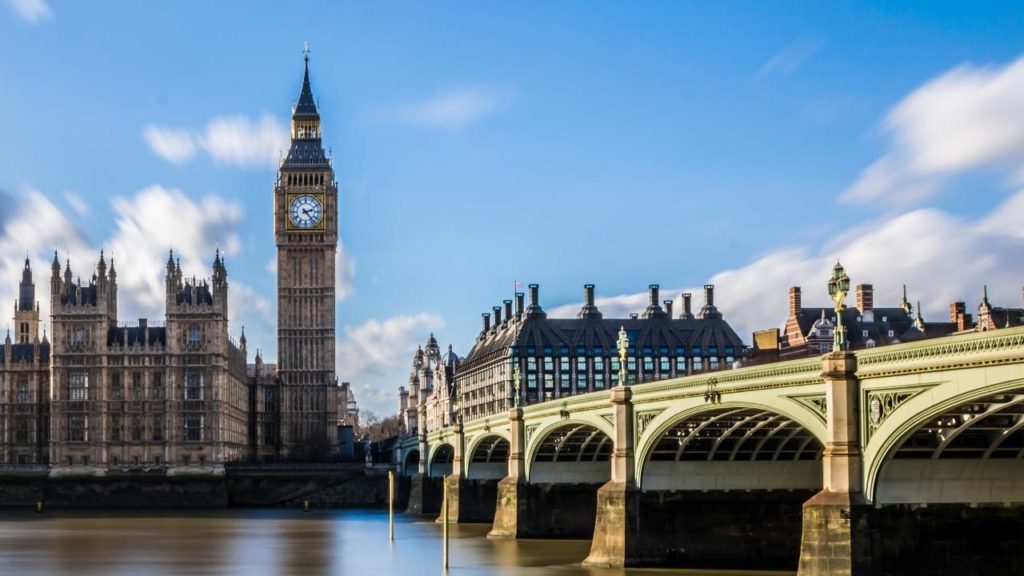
[
  {"x": 959, "y": 316},
  {"x": 865, "y": 298},
  {"x": 795, "y": 302}
]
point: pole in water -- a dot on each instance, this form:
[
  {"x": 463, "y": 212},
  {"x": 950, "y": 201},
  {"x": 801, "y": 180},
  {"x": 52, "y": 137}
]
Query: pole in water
[
  {"x": 305, "y": 505},
  {"x": 39, "y": 507},
  {"x": 444, "y": 522},
  {"x": 391, "y": 505}
]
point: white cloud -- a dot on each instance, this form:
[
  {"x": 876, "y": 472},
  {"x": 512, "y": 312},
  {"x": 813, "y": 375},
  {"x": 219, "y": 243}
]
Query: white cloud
[
  {"x": 158, "y": 219},
  {"x": 791, "y": 58},
  {"x": 368, "y": 353},
  {"x": 147, "y": 225},
  {"x": 76, "y": 203},
  {"x": 239, "y": 141},
  {"x": 968, "y": 118},
  {"x": 231, "y": 140},
  {"x": 35, "y": 228},
  {"x": 31, "y": 11},
  {"x": 250, "y": 309},
  {"x": 172, "y": 144},
  {"x": 941, "y": 257},
  {"x": 452, "y": 109}
]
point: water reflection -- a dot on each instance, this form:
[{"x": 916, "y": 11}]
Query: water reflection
[{"x": 270, "y": 542}]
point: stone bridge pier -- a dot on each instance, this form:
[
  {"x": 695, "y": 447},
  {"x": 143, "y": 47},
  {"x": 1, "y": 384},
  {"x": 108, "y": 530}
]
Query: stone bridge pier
[
  {"x": 835, "y": 529},
  {"x": 511, "y": 514}
]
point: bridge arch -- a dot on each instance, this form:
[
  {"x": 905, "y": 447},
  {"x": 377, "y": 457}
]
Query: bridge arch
[
  {"x": 570, "y": 451},
  {"x": 410, "y": 462},
  {"x": 747, "y": 430},
  {"x": 442, "y": 455},
  {"x": 944, "y": 445},
  {"x": 487, "y": 457}
]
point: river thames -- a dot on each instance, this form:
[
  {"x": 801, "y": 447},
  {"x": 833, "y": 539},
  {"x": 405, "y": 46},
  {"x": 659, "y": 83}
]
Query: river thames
[{"x": 271, "y": 542}]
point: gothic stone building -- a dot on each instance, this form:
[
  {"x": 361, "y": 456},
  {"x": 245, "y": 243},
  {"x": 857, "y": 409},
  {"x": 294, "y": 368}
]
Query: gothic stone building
[
  {"x": 109, "y": 394},
  {"x": 562, "y": 357},
  {"x": 144, "y": 394},
  {"x": 25, "y": 383},
  {"x": 430, "y": 399}
]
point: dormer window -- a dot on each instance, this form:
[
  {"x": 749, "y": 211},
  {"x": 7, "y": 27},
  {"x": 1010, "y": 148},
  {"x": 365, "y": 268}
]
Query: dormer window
[
  {"x": 891, "y": 333},
  {"x": 864, "y": 333}
]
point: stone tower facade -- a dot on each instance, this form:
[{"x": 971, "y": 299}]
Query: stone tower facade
[
  {"x": 306, "y": 231},
  {"x": 25, "y": 383}
]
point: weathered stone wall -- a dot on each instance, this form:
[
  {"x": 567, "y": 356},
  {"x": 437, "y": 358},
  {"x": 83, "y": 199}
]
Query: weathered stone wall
[
  {"x": 947, "y": 539},
  {"x": 559, "y": 511},
  {"x": 735, "y": 529},
  {"x": 424, "y": 495},
  {"x": 113, "y": 491},
  {"x": 324, "y": 490},
  {"x": 476, "y": 500},
  {"x": 321, "y": 486}
]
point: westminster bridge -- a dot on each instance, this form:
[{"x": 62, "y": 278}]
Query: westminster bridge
[{"x": 907, "y": 459}]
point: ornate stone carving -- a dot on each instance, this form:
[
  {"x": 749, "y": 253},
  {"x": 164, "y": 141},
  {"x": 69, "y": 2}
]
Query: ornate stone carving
[
  {"x": 529, "y": 431},
  {"x": 879, "y": 404},
  {"x": 816, "y": 402},
  {"x": 643, "y": 420}
]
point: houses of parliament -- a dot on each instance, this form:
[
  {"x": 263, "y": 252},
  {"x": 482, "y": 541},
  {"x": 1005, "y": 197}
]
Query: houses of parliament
[{"x": 98, "y": 394}]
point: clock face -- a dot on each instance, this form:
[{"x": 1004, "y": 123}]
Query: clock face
[{"x": 305, "y": 211}]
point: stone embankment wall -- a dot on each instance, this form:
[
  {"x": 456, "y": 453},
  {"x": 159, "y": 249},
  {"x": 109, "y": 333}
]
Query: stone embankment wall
[{"x": 321, "y": 486}]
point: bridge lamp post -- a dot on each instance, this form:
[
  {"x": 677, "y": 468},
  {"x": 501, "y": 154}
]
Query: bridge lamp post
[
  {"x": 623, "y": 346},
  {"x": 838, "y": 287},
  {"x": 711, "y": 393},
  {"x": 516, "y": 379},
  {"x": 458, "y": 407}
]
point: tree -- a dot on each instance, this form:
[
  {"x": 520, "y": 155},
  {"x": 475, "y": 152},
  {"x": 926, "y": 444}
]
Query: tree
[{"x": 377, "y": 428}]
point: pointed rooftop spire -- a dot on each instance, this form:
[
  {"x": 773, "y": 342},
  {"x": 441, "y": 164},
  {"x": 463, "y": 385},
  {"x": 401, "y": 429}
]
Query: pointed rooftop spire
[{"x": 306, "y": 106}]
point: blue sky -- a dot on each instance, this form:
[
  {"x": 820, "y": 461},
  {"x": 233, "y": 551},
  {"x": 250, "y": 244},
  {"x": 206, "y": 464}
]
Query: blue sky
[{"x": 746, "y": 144}]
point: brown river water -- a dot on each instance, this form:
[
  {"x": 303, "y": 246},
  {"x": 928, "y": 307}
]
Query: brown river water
[{"x": 271, "y": 542}]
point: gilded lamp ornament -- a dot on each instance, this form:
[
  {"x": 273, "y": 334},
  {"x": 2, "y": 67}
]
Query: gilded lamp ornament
[
  {"x": 516, "y": 380},
  {"x": 838, "y": 287},
  {"x": 623, "y": 345}
]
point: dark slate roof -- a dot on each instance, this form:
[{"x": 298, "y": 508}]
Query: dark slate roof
[
  {"x": 306, "y": 106},
  {"x": 896, "y": 319},
  {"x": 135, "y": 335},
  {"x": 1007, "y": 317},
  {"x": 79, "y": 295},
  {"x": 305, "y": 154},
  {"x": 653, "y": 333},
  {"x": 25, "y": 352},
  {"x": 195, "y": 294}
]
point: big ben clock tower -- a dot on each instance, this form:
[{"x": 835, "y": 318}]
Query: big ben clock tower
[{"x": 306, "y": 230}]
